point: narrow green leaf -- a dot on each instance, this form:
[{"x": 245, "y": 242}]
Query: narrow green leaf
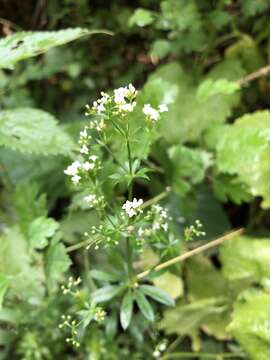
[
  {"x": 144, "y": 305},
  {"x": 157, "y": 294},
  {"x": 104, "y": 275},
  {"x": 106, "y": 293},
  {"x": 3, "y": 288},
  {"x": 126, "y": 310}
]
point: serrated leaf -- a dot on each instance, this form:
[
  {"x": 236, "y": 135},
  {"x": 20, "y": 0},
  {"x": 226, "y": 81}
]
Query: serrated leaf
[
  {"x": 106, "y": 293},
  {"x": 23, "y": 45},
  {"x": 157, "y": 294},
  {"x": 246, "y": 258},
  {"x": 244, "y": 150},
  {"x": 250, "y": 324},
  {"x": 126, "y": 310},
  {"x": 141, "y": 17},
  {"x": 56, "y": 262},
  {"x": 40, "y": 230},
  {"x": 144, "y": 305},
  {"x": 33, "y": 131},
  {"x": 211, "y": 87},
  {"x": 104, "y": 275}
]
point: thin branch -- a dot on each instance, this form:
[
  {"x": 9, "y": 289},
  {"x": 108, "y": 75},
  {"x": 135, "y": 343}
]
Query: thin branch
[
  {"x": 202, "y": 355},
  {"x": 193, "y": 252},
  {"x": 156, "y": 198},
  {"x": 255, "y": 75}
]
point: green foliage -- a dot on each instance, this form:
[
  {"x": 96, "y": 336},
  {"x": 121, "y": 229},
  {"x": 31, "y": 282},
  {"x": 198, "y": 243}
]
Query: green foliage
[
  {"x": 33, "y": 131},
  {"x": 141, "y": 18},
  {"x": 246, "y": 258},
  {"x": 243, "y": 151},
  {"x": 250, "y": 323},
  {"x": 120, "y": 191},
  {"x": 23, "y": 45}
]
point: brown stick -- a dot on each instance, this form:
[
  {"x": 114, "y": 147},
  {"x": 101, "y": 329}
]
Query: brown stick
[
  {"x": 193, "y": 252},
  {"x": 255, "y": 75}
]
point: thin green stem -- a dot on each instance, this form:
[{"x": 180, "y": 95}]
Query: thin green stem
[
  {"x": 189, "y": 355},
  {"x": 156, "y": 199},
  {"x": 78, "y": 246}
]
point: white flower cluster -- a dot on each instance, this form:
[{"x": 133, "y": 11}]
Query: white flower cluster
[
  {"x": 100, "y": 105},
  {"x": 161, "y": 218},
  {"x": 153, "y": 114},
  {"x": 124, "y": 98},
  {"x": 93, "y": 200},
  {"x": 160, "y": 348},
  {"x": 132, "y": 208},
  {"x": 76, "y": 169}
]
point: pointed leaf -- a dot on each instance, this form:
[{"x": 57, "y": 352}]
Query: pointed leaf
[
  {"x": 106, "y": 293},
  {"x": 144, "y": 305},
  {"x": 157, "y": 294},
  {"x": 126, "y": 310}
]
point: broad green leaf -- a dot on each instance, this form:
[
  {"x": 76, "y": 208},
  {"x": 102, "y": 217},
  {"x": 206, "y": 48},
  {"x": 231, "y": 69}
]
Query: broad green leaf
[
  {"x": 33, "y": 131},
  {"x": 227, "y": 187},
  {"x": 160, "y": 48},
  {"x": 141, "y": 18},
  {"x": 211, "y": 87},
  {"x": 184, "y": 319},
  {"x": 244, "y": 150},
  {"x": 246, "y": 258},
  {"x": 126, "y": 310},
  {"x": 144, "y": 305},
  {"x": 204, "y": 281},
  {"x": 157, "y": 294},
  {"x": 104, "y": 275},
  {"x": 23, "y": 45},
  {"x": 25, "y": 277},
  {"x": 170, "y": 283},
  {"x": 188, "y": 117},
  {"x": 250, "y": 324},
  {"x": 56, "y": 262},
  {"x": 4, "y": 283},
  {"x": 106, "y": 293},
  {"x": 40, "y": 230},
  {"x": 29, "y": 203},
  {"x": 189, "y": 167}
]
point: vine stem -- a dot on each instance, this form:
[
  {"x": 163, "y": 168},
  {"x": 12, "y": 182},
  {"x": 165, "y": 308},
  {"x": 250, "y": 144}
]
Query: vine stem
[{"x": 193, "y": 252}]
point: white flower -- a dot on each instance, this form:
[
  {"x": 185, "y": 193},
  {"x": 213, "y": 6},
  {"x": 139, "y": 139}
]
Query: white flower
[
  {"x": 150, "y": 112},
  {"x": 132, "y": 207},
  {"x": 83, "y": 133},
  {"x": 140, "y": 231},
  {"x": 165, "y": 227},
  {"x": 88, "y": 166},
  {"x": 99, "y": 105},
  {"x": 75, "y": 179},
  {"x": 84, "y": 149},
  {"x": 72, "y": 169},
  {"x": 90, "y": 199},
  {"x": 163, "y": 108},
  {"x": 129, "y": 107},
  {"x": 93, "y": 158},
  {"x": 124, "y": 98}
]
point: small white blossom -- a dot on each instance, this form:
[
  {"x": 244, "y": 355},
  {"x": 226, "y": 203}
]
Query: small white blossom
[
  {"x": 75, "y": 179},
  {"x": 93, "y": 158},
  {"x": 132, "y": 208},
  {"x": 72, "y": 169},
  {"x": 84, "y": 150},
  {"x": 150, "y": 112},
  {"x": 163, "y": 108},
  {"x": 88, "y": 166},
  {"x": 84, "y": 134},
  {"x": 91, "y": 199},
  {"x": 99, "y": 105}
]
